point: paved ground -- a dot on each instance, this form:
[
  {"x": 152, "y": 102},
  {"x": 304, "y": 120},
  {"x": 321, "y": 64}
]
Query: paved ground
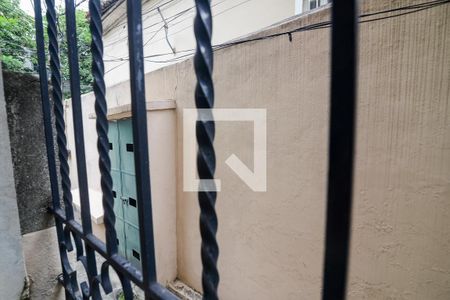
[{"x": 43, "y": 266}]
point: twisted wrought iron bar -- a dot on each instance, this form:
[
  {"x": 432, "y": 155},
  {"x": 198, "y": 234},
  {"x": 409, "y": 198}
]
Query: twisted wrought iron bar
[
  {"x": 98, "y": 72},
  {"x": 206, "y": 159},
  {"x": 47, "y": 118},
  {"x": 89, "y": 289},
  {"x": 58, "y": 107}
]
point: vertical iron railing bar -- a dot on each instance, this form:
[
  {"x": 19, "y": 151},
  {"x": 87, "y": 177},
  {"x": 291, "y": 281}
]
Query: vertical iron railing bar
[
  {"x": 94, "y": 291},
  {"x": 92, "y": 244},
  {"x": 341, "y": 148},
  {"x": 48, "y": 131},
  {"x": 98, "y": 72},
  {"x": 140, "y": 139},
  {"x": 58, "y": 107},
  {"x": 206, "y": 160}
]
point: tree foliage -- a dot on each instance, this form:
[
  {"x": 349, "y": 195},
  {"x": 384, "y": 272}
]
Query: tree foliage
[
  {"x": 18, "y": 44},
  {"x": 84, "y": 49},
  {"x": 16, "y": 37}
]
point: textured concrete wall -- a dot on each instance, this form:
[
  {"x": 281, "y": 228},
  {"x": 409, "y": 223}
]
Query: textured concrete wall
[
  {"x": 12, "y": 274},
  {"x": 23, "y": 105}
]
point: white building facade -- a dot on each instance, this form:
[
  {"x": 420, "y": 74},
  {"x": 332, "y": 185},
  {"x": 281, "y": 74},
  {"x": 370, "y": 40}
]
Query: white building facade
[{"x": 168, "y": 33}]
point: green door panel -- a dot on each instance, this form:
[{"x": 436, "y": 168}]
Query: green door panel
[
  {"x": 124, "y": 189},
  {"x": 126, "y": 146},
  {"x": 128, "y": 172},
  {"x": 113, "y": 136},
  {"x": 121, "y": 240},
  {"x": 133, "y": 246},
  {"x": 114, "y": 154},
  {"x": 117, "y": 193},
  {"x": 129, "y": 192}
]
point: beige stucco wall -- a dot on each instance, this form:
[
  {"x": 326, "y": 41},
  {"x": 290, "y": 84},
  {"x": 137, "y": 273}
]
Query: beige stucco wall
[
  {"x": 271, "y": 243},
  {"x": 162, "y": 153}
]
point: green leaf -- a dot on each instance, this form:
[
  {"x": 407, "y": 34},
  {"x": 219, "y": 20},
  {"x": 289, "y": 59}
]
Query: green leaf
[{"x": 18, "y": 42}]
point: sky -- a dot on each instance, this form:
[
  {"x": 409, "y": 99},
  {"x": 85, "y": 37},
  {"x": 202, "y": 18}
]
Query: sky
[{"x": 27, "y": 5}]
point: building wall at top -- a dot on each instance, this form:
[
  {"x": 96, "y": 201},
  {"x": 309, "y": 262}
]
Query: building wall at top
[{"x": 232, "y": 19}]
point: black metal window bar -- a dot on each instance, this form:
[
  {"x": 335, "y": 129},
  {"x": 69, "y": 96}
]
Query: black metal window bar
[{"x": 79, "y": 237}]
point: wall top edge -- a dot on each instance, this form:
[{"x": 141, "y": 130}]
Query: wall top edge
[{"x": 124, "y": 111}]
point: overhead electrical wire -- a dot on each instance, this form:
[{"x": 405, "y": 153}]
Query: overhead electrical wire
[
  {"x": 400, "y": 11},
  {"x": 168, "y": 19},
  {"x": 124, "y": 38},
  {"x": 146, "y": 12},
  {"x": 174, "y": 17},
  {"x": 189, "y": 26}
]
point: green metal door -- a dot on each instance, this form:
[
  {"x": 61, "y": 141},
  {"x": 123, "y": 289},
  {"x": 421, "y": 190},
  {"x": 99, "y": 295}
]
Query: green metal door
[
  {"x": 114, "y": 154},
  {"x": 124, "y": 189}
]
